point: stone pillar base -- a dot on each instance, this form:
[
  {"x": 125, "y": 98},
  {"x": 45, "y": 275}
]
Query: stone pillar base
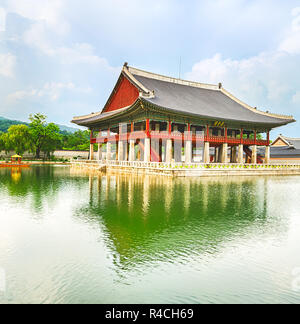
[
  {"x": 241, "y": 154},
  {"x": 121, "y": 151},
  {"x": 268, "y": 155},
  {"x": 147, "y": 150},
  {"x": 131, "y": 151},
  {"x": 91, "y": 152},
  {"x": 169, "y": 151},
  {"x": 224, "y": 156},
  {"x": 206, "y": 153},
  {"x": 188, "y": 152},
  {"x": 108, "y": 151},
  {"x": 254, "y": 155},
  {"x": 99, "y": 157}
]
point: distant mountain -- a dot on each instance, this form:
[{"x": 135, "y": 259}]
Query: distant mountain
[{"x": 6, "y": 123}]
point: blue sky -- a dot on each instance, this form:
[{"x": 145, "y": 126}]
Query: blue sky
[{"x": 62, "y": 57}]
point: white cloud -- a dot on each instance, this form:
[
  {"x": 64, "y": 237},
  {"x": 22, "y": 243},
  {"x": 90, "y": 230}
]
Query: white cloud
[
  {"x": 2, "y": 19},
  {"x": 52, "y": 91},
  {"x": 266, "y": 79},
  {"x": 296, "y": 98},
  {"x": 291, "y": 43},
  {"x": 78, "y": 53},
  {"x": 49, "y": 12},
  {"x": 7, "y": 65}
]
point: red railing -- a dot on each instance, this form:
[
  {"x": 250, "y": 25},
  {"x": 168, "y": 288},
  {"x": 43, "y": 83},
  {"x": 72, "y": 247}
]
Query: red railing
[{"x": 177, "y": 136}]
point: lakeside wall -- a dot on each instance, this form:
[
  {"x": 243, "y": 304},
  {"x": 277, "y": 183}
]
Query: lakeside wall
[
  {"x": 180, "y": 170},
  {"x": 57, "y": 154}
]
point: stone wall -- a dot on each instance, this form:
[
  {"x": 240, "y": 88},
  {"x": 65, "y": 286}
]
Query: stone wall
[
  {"x": 285, "y": 161},
  {"x": 57, "y": 154},
  {"x": 71, "y": 154}
]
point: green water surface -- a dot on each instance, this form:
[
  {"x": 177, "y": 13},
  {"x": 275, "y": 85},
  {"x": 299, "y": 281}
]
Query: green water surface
[{"x": 67, "y": 237}]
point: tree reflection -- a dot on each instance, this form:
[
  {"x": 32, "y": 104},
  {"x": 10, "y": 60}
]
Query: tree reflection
[
  {"x": 38, "y": 183},
  {"x": 158, "y": 218}
]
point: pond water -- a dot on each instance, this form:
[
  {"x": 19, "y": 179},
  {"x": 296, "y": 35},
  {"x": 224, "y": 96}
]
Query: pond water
[{"x": 68, "y": 237}]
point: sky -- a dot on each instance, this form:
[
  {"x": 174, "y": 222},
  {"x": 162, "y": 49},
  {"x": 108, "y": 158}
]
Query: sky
[{"x": 63, "y": 57}]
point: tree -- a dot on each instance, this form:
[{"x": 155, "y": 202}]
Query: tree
[
  {"x": 46, "y": 138},
  {"x": 2, "y": 142},
  {"x": 53, "y": 139},
  {"x": 5, "y": 144},
  {"x": 79, "y": 141},
  {"x": 18, "y": 138}
]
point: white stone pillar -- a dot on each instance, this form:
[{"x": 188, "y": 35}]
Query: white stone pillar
[
  {"x": 108, "y": 151},
  {"x": 91, "y": 152},
  {"x": 206, "y": 153},
  {"x": 121, "y": 151},
  {"x": 126, "y": 151},
  {"x": 254, "y": 154},
  {"x": 131, "y": 150},
  {"x": 188, "y": 152},
  {"x": 241, "y": 154},
  {"x": 268, "y": 155},
  {"x": 233, "y": 154},
  {"x": 99, "y": 157},
  {"x": 224, "y": 157},
  {"x": 147, "y": 150},
  {"x": 217, "y": 150},
  {"x": 169, "y": 151}
]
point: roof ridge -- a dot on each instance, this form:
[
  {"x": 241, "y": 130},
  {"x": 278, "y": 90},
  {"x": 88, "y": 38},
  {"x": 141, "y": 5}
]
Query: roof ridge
[
  {"x": 290, "y": 138},
  {"x": 86, "y": 116},
  {"x": 134, "y": 71},
  {"x": 164, "y": 78}
]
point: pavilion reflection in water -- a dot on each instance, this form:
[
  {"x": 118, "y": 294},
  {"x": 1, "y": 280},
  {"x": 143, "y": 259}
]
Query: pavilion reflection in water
[{"x": 157, "y": 218}]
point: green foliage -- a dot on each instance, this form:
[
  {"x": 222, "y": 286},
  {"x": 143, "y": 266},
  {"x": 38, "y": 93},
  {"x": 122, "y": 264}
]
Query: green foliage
[
  {"x": 40, "y": 137},
  {"x": 45, "y": 137},
  {"x": 18, "y": 138},
  {"x": 79, "y": 141},
  {"x": 5, "y": 124}
]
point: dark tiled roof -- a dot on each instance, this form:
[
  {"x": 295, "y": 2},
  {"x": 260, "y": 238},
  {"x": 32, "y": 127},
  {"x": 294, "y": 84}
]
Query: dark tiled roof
[
  {"x": 281, "y": 152},
  {"x": 295, "y": 142},
  {"x": 204, "y": 102}
]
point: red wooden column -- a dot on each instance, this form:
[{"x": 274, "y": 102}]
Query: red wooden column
[
  {"x": 188, "y": 145},
  {"x": 226, "y": 134},
  {"x": 206, "y": 146},
  {"x": 131, "y": 157},
  {"x": 242, "y": 135},
  {"x": 91, "y": 155},
  {"x": 91, "y": 136},
  {"x": 169, "y": 145},
  {"x": 255, "y": 137},
  {"x": 147, "y": 147},
  {"x": 170, "y": 127},
  {"x": 268, "y": 149},
  {"x": 148, "y": 128}
]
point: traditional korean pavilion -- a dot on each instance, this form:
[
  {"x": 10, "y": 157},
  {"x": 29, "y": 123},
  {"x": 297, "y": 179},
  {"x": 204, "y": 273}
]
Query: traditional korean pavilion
[
  {"x": 285, "y": 150},
  {"x": 154, "y": 118}
]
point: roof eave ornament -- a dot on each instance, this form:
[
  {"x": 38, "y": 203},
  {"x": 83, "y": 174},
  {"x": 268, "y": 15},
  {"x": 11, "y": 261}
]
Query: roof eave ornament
[
  {"x": 145, "y": 92},
  {"x": 147, "y": 95}
]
